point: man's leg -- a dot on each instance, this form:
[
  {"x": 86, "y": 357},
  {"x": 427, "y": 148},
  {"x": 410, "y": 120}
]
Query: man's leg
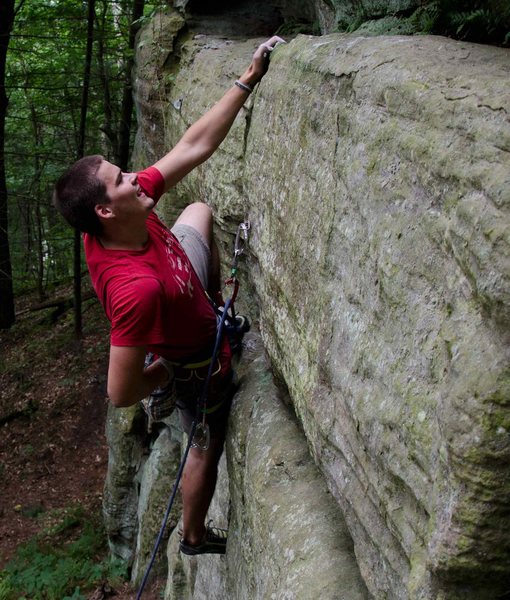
[
  {"x": 199, "y": 216},
  {"x": 201, "y": 470},
  {"x": 197, "y": 488}
]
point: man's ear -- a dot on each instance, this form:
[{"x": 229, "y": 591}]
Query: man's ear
[{"x": 103, "y": 211}]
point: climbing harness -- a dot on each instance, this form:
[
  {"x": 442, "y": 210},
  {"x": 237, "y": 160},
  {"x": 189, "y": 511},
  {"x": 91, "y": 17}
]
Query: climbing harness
[
  {"x": 199, "y": 434},
  {"x": 161, "y": 403}
]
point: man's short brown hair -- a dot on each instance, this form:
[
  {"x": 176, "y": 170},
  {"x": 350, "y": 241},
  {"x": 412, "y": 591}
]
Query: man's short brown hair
[{"x": 78, "y": 191}]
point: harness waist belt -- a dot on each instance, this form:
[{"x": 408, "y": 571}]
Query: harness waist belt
[{"x": 192, "y": 365}]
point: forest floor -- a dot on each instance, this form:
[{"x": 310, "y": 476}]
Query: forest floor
[{"x": 53, "y": 451}]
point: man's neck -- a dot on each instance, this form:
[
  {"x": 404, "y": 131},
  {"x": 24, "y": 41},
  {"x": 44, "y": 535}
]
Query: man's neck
[{"x": 120, "y": 238}]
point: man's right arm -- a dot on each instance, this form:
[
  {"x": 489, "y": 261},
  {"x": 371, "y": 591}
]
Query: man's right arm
[
  {"x": 134, "y": 308},
  {"x": 203, "y": 137}
]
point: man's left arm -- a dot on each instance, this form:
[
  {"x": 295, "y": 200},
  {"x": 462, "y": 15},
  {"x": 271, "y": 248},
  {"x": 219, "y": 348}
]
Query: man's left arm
[
  {"x": 128, "y": 380},
  {"x": 134, "y": 308},
  {"x": 205, "y": 135}
]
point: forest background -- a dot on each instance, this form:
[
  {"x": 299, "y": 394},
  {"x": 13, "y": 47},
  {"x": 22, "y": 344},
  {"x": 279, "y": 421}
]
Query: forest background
[{"x": 66, "y": 91}]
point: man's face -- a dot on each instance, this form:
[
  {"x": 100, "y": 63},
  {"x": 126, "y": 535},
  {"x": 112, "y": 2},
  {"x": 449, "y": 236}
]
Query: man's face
[{"x": 127, "y": 199}]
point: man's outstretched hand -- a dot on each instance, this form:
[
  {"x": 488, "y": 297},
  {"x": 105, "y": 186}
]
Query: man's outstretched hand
[
  {"x": 206, "y": 134},
  {"x": 260, "y": 61}
]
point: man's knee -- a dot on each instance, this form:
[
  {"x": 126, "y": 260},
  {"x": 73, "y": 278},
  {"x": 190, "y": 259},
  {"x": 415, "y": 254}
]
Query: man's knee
[
  {"x": 200, "y": 209},
  {"x": 199, "y": 216}
]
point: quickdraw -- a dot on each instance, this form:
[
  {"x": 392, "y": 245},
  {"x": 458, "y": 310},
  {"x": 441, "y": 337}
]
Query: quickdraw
[{"x": 239, "y": 246}]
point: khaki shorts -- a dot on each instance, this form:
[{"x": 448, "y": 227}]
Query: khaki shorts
[{"x": 196, "y": 249}]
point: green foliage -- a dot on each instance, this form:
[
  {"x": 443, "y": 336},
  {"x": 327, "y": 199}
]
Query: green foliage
[
  {"x": 50, "y": 567},
  {"x": 425, "y": 18},
  {"x": 43, "y": 80},
  {"x": 44, "y": 76},
  {"x": 479, "y": 25},
  {"x": 471, "y": 20},
  {"x": 293, "y": 27},
  {"x": 358, "y": 19}
]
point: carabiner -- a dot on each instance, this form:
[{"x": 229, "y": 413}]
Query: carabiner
[
  {"x": 202, "y": 437},
  {"x": 242, "y": 232}
]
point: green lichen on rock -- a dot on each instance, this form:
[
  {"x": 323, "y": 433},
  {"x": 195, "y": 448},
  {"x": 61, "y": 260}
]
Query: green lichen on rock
[
  {"x": 125, "y": 434},
  {"x": 155, "y": 66},
  {"x": 419, "y": 293},
  {"x": 288, "y": 537},
  {"x": 387, "y": 26}
]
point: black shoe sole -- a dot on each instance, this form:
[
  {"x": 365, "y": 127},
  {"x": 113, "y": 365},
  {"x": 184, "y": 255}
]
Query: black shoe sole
[{"x": 203, "y": 549}]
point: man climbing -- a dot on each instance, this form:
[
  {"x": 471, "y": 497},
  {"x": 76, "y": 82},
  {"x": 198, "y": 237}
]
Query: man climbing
[{"x": 152, "y": 281}]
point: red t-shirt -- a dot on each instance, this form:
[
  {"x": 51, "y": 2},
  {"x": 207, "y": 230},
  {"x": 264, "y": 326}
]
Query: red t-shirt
[{"x": 153, "y": 297}]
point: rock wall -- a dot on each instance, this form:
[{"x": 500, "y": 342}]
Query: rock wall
[
  {"x": 391, "y": 194},
  {"x": 394, "y": 201},
  {"x": 375, "y": 172},
  {"x": 142, "y": 467},
  {"x": 287, "y": 536}
]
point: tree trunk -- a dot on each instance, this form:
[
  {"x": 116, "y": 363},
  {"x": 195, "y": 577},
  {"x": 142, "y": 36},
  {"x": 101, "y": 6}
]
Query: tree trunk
[
  {"x": 81, "y": 148},
  {"x": 6, "y": 291},
  {"x": 108, "y": 128},
  {"x": 126, "y": 111},
  {"x": 35, "y": 189}
]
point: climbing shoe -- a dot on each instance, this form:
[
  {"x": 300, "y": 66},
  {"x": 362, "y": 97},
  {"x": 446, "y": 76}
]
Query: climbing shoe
[
  {"x": 214, "y": 542},
  {"x": 235, "y": 328}
]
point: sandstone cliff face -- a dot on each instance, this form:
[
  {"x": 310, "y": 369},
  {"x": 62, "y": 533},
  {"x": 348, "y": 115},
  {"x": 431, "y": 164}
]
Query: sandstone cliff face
[
  {"x": 375, "y": 172},
  {"x": 394, "y": 345}
]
